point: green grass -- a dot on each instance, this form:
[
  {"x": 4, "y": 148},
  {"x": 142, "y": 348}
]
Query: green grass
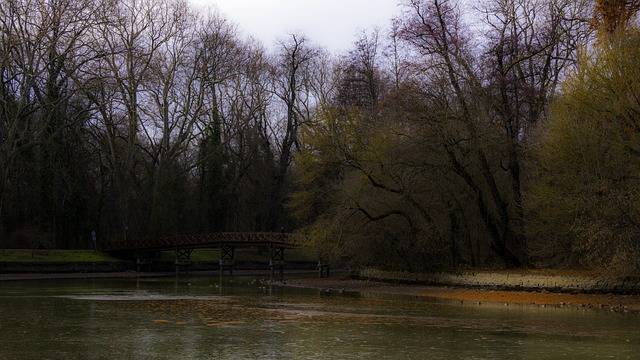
[
  {"x": 248, "y": 255},
  {"x": 80, "y": 256},
  {"x": 60, "y": 256}
]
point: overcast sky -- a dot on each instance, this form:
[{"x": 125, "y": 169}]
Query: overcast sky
[{"x": 329, "y": 23}]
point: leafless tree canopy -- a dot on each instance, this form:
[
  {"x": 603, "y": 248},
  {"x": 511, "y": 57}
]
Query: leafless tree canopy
[{"x": 422, "y": 147}]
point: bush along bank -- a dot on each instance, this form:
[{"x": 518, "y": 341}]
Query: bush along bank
[{"x": 565, "y": 282}]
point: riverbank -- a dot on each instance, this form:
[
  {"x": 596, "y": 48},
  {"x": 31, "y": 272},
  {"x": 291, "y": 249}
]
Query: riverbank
[
  {"x": 527, "y": 280},
  {"x": 540, "y": 288},
  {"x": 475, "y": 296},
  {"x": 133, "y": 274},
  {"x": 86, "y": 261},
  {"x": 77, "y": 275}
]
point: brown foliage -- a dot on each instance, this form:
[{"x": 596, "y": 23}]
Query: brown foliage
[{"x": 614, "y": 14}]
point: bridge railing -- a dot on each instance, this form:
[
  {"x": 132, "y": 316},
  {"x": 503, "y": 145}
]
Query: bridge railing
[{"x": 213, "y": 240}]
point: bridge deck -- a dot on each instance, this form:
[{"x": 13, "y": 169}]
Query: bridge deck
[{"x": 213, "y": 240}]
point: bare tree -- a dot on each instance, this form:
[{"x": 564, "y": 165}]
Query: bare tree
[
  {"x": 169, "y": 118},
  {"x": 220, "y": 54},
  {"x": 531, "y": 43},
  {"x": 130, "y": 35},
  {"x": 360, "y": 79},
  {"x": 43, "y": 46},
  {"x": 291, "y": 84}
]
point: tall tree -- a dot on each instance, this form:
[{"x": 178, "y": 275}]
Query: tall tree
[
  {"x": 532, "y": 44},
  {"x": 291, "y": 84},
  {"x": 360, "y": 78},
  {"x": 44, "y": 45},
  {"x": 251, "y": 161},
  {"x": 585, "y": 201},
  {"x": 131, "y": 35},
  {"x": 435, "y": 29},
  {"x": 219, "y": 53},
  {"x": 170, "y": 119}
]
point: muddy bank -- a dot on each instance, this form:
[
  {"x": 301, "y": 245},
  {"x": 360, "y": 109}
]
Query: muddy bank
[
  {"x": 553, "y": 281},
  {"x": 570, "y": 289},
  {"x": 476, "y": 296}
]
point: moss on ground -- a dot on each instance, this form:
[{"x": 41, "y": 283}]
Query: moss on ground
[
  {"x": 245, "y": 255},
  {"x": 88, "y": 256},
  {"x": 57, "y": 256}
]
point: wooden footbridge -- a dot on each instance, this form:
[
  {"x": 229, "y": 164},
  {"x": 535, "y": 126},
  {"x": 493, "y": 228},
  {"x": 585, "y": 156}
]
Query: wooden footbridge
[{"x": 226, "y": 242}]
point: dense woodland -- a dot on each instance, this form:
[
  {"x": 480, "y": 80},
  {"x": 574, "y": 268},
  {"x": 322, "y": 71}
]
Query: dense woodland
[{"x": 503, "y": 132}]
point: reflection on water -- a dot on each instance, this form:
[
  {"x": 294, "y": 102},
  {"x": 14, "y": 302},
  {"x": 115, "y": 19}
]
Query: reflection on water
[{"x": 243, "y": 318}]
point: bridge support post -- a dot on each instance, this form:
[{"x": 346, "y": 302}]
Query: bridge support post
[
  {"x": 321, "y": 268},
  {"x": 226, "y": 259},
  {"x": 183, "y": 258},
  {"x": 276, "y": 260},
  {"x": 142, "y": 259}
]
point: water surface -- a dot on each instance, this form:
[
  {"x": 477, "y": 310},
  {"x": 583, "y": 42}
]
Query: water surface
[{"x": 245, "y": 318}]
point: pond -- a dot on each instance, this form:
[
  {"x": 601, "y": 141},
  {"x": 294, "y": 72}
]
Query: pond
[{"x": 200, "y": 317}]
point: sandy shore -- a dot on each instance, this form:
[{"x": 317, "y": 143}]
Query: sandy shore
[{"x": 622, "y": 303}]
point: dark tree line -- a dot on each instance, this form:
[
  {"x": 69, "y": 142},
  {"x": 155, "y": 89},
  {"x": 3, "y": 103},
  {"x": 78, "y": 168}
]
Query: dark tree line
[
  {"x": 442, "y": 141},
  {"x": 429, "y": 157},
  {"x": 142, "y": 118}
]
